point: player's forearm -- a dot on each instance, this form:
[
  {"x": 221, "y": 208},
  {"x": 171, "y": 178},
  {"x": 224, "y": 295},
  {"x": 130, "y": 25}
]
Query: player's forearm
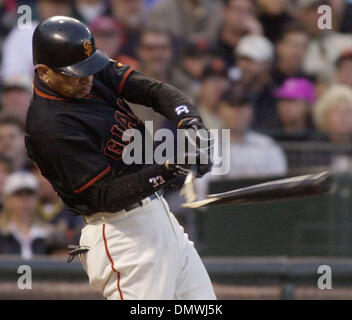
[
  {"x": 162, "y": 97},
  {"x": 114, "y": 193}
]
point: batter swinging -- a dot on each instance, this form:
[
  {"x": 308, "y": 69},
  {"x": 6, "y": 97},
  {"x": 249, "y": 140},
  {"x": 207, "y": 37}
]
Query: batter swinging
[{"x": 137, "y": 249}]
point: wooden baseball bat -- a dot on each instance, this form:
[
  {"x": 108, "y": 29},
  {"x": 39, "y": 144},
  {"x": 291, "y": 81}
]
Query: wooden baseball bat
[{"x": 295, "y": 187}]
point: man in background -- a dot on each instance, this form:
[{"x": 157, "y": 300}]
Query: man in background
[
  {"x": 291, "y": 48},
  {"x": 155, "y": 53},
  {"x": 214, "y": 83},
  {"x": 12, "y": 141},
  {"x": 254, "y": 60},
  {"x": 252, "y": 154},
  {"x": 16, "y": 93},
  {"x": 193, "y": 59}
]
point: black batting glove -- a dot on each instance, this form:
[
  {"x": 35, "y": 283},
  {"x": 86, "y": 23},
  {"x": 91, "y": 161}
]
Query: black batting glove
[
  {"x": 199, "y": 143},
  {"x": 178, "y": 169}
]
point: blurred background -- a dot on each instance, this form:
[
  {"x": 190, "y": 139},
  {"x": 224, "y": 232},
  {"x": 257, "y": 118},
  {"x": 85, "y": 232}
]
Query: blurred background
[{"x": 261, "y": 68}]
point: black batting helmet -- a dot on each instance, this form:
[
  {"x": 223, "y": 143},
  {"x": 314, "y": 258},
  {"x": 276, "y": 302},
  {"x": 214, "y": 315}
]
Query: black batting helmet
[{"x": 67, "y": 45}]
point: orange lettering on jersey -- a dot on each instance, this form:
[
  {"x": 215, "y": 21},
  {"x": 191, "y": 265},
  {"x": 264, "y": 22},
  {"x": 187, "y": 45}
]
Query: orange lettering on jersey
[{"x": 114, "y": 149}]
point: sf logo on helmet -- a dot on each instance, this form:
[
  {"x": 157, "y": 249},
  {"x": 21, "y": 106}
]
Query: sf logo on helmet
[{"x": 88, "y": 49}]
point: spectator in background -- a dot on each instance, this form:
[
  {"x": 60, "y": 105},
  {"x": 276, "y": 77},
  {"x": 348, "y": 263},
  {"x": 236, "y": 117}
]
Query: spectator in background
[
  {"x": 131, "y": 15},
  {"x": 273, "y": 15},
  {"x": 214, "y": 83},
  {"x": 333, "y": 114},
  {"x": 251, "y": 154},
  {"x": 20, "y": 232},
  {"x": 16, "y": 95},
  {"x": 5, "y": 171},
  {"x": 291, "y": 48},
  {"x": 325, "y": 45},
  {"x": 255, "y": 56},
  {"x": 12, "y": 140},
  {"x": 108, "y": 38},
  {"x": 343, "y": 68},
  {"x": 238, "y": 20},
  {"x": 295, "y": 99},
  {"x": 154, "y": 54},
  {"x": 193, "y": 60},
  {"x": 17, "y": 49},
  {"x": 195, "y": 20},
  {"x": 89, "y": 10}
]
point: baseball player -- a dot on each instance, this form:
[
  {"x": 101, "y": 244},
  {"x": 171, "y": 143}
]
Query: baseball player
[{"x": 135, "y": 248}]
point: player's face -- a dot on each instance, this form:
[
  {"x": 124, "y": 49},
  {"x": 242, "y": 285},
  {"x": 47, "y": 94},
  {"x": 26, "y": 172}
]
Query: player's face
[
  {"x": 69, "y": 87},
  {"x": 64, "y": 85}
]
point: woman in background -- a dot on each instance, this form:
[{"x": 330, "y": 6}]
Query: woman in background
[{"x": 333, "y": 114}]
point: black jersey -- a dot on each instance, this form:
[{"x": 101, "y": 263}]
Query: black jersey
[{"x": 77, "y": 143}]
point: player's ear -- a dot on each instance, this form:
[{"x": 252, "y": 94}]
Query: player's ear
[{"x": 43, "y": 72}]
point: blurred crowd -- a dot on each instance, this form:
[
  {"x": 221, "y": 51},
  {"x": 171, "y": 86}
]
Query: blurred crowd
[{"x": 261, "y": 68}]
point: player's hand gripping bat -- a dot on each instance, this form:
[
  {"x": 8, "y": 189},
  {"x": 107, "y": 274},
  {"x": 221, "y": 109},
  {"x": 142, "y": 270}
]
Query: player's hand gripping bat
[{"x": 300, "y": 186}]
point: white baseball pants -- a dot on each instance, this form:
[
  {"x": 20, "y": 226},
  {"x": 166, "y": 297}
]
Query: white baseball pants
[{"x": 143, "y": 254}]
